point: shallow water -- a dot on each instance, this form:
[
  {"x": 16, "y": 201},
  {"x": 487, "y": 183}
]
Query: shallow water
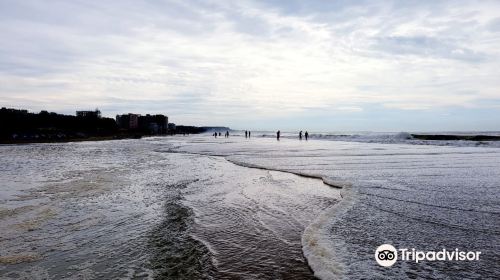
[
  {"x": 198, "y": 207},
  {"x": 414, "y": 196},
  {"x": 131, "y": 209}
]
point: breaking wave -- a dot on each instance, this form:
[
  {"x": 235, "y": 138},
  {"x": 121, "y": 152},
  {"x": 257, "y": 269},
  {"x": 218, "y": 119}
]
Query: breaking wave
[{"x": 391, "y": 138}]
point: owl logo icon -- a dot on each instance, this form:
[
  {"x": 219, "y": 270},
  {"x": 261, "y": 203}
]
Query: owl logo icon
[{"x": 386, "y": 255}]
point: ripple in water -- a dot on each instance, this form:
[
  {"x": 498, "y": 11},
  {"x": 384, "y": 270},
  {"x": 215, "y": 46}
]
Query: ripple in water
[{"x": 153, "y": 215}]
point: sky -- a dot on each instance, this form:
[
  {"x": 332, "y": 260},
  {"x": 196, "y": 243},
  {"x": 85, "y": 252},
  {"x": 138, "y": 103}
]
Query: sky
[{"x": 290, "y": 65}]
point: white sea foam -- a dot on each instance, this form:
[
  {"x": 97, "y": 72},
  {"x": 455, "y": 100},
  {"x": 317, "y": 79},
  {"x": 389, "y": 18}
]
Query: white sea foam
[
  {"x": 388, "y": 138},
  {"x": 317, "y": 244}
]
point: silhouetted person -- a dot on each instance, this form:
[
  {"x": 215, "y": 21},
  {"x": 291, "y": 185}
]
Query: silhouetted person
[
  {"x": 246, "y": 134},
  {"x": 300, "y": 135},
  {"x": 227, "y": 134},
  {"x": 306, "y": 135},
  {"x": 220, "y": 134},
  {"x": 249, "y": 133},
  {"x": 215, "y": 134},
  {"x": 278, "y": 135}
]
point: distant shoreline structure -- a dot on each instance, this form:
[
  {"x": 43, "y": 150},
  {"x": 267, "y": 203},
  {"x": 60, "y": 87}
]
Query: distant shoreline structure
[
  {"x": 448, "y": 137},
  {"x": 21, "y": 126},
  {"x": 18, "y": 126}
]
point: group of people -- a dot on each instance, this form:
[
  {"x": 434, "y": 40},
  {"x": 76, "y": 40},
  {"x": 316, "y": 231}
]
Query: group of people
[
  {"x": 226, "y": 134},
  {"x": 248, "y": 134},
  {"x": 278, "y": 135},
  {"x": 306, "y": 135}
]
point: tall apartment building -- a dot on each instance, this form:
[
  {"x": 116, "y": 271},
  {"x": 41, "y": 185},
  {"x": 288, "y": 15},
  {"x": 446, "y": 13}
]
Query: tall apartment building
[{"x": 128, "y": 121}]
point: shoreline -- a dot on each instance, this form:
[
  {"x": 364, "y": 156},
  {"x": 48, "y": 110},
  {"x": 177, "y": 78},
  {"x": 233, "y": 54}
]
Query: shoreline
[
  {"x": 426, "y": 137},
  {"x": 70, "y": 140}
]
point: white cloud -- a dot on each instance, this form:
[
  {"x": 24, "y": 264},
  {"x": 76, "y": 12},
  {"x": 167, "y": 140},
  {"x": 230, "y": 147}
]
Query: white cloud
[{"x": 226, "y": 59}]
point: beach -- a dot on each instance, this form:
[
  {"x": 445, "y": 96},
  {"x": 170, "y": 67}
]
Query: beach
[{"x": 203, "y": 208}]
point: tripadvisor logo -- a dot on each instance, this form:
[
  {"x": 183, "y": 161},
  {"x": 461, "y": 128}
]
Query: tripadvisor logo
[{"x": 386, "y": 255}]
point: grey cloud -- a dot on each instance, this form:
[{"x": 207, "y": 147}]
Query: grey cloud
[
  {"x": 199, "y": 58},
  {"x": 251, "y": 25},
  {"x": 494, "y": 25},
  {"x": 299, "y": 7},
  {"x": 46, "y": 37},
  {"x": 427, "y": 47}
]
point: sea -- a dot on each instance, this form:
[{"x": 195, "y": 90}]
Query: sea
[{"x": 200, "y": 207}]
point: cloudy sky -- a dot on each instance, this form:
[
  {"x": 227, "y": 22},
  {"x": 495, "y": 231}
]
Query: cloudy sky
[{"x": 316, "y": 65}]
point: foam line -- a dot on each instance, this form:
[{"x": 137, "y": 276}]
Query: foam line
[{"x": 316, "y": 241}]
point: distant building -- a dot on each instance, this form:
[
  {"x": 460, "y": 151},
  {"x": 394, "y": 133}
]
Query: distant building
[
  {"x": 128, "y": 121},
  {"x": 151, "y": 124},
  {"x": 171, "y": 126},
  {"x": 13, "y": 111},
  {"x": 133, "y": 121},
  {"x": 154, "y": 124},
  {"x": 20, "y": 125},
  {"x": 89, "y": 114}
]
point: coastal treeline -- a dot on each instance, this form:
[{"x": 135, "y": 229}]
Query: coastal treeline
[{"x": 21, "y": 125}]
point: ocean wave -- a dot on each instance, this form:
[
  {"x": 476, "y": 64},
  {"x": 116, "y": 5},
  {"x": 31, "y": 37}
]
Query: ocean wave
[
  {"x": 327, "y": 181},
  {"x": 435, "y": 183},
  {"x": 396, "y": 138},
  {"x": 317, "y": 242}
]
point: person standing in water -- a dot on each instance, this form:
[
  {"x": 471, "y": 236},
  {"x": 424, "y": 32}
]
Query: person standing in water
[
  {"x": 306, "y": 135},
  {"x": 246, "y": 134},
  {"x": 278, "y": 135},
  {"x": 249, "y": 133},
  {"x": 300, "y": 135}
]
